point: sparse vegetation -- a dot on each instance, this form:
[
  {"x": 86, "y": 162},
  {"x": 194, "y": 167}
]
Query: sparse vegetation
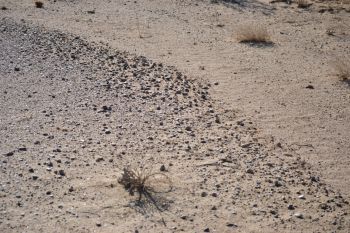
[
  {"x": 39, "y": 4},
  {"x": 253, "y": 34},
  {"x": 342, "y": 68},
  {"x": 144, "y": 181},
  {"x": 303, "y": 4}
]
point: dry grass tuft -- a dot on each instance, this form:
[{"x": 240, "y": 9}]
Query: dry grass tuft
[
  {"x": 144, "y": 181},
  {"x": 303, "y": 4},
  {"x": 39, "y": 4},
  {"x": 342, "y": 68},
  {"x": 253, "y": 34}
]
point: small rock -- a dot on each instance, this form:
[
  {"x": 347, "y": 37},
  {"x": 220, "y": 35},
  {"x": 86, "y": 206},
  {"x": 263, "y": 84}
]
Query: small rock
[
  {"x": 9, "y": 153},
  {"x": 162, "y": 168},
  {"x": 206, "y": 230},
  {"x": 99, "y": 159},
  {"x": 301, "y": 197},
  {"x": 39, "y": 4},
  {"x": 291, "y": 207},
  {"x": 61, "y": 173},
  {"x": 299, "y": 215},
  {"x": 98, "y": 224},
  {"x": 16, "y": 69},
  {"x": 231, "y": 225},
  {"x": 71, "y": 189},
  {"x": 31, "y": 170},
  {"x": 250, "y": 171},
  {"x": 204, "y": 194},
  {"x": 22, "y": 149},
  {"x": 278, "y": 183},
  {"x": 310, "y": 87},
  {"x": 108, "y": 132}
]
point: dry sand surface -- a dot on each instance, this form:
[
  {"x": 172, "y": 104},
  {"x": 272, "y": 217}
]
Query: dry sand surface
[{"x": 254, "y": 137}]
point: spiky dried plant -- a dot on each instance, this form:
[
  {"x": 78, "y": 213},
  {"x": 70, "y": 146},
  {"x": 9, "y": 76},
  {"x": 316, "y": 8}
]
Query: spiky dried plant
[{"x": 144, "y": 181}]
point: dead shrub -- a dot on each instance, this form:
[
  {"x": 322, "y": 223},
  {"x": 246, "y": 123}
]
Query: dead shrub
[
  {"x": 145, "y": 182},
  {"x": 253, "y": 34},
  {"x": 342, "y": 68}
]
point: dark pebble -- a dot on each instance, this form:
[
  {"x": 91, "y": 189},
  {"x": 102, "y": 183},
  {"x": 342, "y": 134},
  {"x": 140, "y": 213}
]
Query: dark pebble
[
  {"x": 61, "y": 173},
  {"x": 9, "y": 153},
  {"x": 99, "y": 159},
  {"x": 231, "y": 225},
  {"x": 204, "y": 194},
  {"x": 162, "y": 168}
]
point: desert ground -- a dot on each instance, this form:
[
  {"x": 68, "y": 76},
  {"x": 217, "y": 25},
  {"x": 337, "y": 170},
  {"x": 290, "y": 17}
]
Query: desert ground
[{"x": 231, "y": 136}]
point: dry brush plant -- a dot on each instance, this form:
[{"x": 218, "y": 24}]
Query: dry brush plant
[
  {"x": 342, "y": 68},
  {"x": 253, "y": 34},
  {"x": 303, "y": 4},
  {"x": 145, "y": 182}
]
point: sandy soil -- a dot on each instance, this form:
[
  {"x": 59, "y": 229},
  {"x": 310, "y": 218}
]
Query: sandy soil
[{"x": 249, "y": 148}]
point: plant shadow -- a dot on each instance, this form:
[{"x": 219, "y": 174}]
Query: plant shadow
[
  {"x": 148, "y": 203},
  {"x": 254, "y": 44}
]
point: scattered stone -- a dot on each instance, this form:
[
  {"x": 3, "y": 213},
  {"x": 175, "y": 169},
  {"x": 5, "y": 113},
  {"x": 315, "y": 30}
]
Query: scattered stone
[
  {"x": 310, "y": 87},
  {"x": 250, "y": 171},
  {"x": 231, "y": 225},
  {"x": 22, "y": 149},
  {"x": 206, "y": 230},
  {"x": 61, "y": 173},
  {"x": 39, "y": 4},
  {"x": 9, "y": 154},
  {"x": 298, "y": 215},
  {"x": 99, "y": 159},
  {"x": 204, "y": 194},
  {"x": 162, "y": 168},
  {"x": 291, "y": 207},
  {"x": 278, "y": 183}
]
